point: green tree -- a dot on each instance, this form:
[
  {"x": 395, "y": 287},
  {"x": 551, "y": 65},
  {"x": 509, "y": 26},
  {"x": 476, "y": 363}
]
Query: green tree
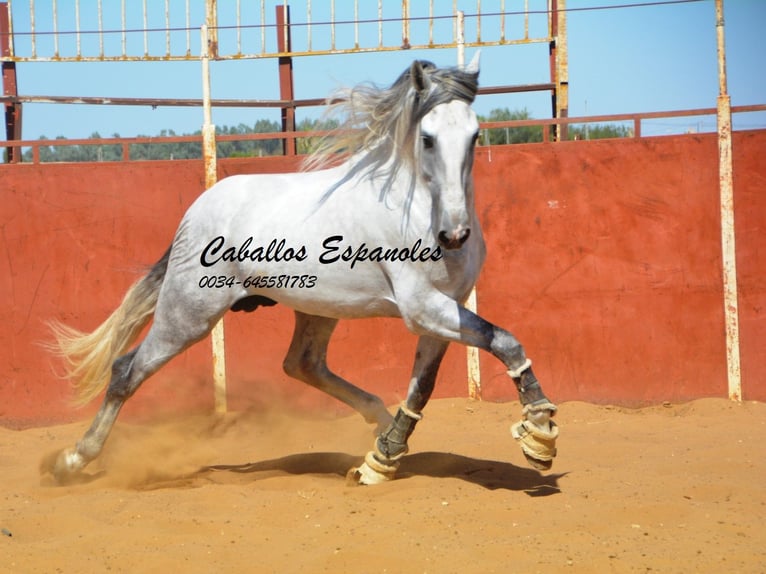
[
  {"x": 249, "y": 148},
  {"x": 599, "y": 131},
  {"x": 309, "y": 144},
  {"x": 509, "y": 135}
]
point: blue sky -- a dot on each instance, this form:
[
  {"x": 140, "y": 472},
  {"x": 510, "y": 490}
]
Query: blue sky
[{"x": 621, "y": 60}]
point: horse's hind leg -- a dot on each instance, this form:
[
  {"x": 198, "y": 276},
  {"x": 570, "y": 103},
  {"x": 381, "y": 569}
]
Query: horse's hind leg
[
  {"x": 391, "y": 445},
  {"x": 128, "y": 372},
  {"x": 306, "y": 361}
]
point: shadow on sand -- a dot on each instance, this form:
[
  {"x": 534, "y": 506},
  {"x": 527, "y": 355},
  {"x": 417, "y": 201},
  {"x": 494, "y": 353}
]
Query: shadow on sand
[{"x": 489, "y": 474}]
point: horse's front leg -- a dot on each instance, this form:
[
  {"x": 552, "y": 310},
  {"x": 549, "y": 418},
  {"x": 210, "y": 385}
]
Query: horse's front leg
[
  {"x": 391, "y": 445},
  {"x": 440, "y": 316}
]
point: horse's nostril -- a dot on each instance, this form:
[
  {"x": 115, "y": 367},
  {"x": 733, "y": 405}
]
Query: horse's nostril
[{"x": 454, "y": 240}]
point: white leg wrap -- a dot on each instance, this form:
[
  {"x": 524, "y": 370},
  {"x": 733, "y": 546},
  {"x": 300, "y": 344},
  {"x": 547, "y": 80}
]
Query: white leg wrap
[
  {"x": 536, "y": 442},
  {"x": 412, "y": 414},
  {"x": 372, "y": 471},
  {"x": 516, "y": 373}
]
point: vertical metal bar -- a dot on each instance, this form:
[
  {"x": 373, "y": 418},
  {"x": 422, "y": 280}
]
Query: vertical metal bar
[
  {"x": 167, "y": 28},
  {"x": 562, "y": 71},
  {"x": 356, "y": 24},
  {"x": 308, "y": 24},
  {"x": 55, "y": 18},
  {"x": 33, "y": 36},
  {"x": 100, "y": 29},
  {"x": 472, "y": 356},
  {"x": 502, "y": 21},
  {"x": 431, "y": 22},
  {"x": 380, "y": 23},
  {"x": 286, "y": 76},
  {"x": 728, "y": 246},
  {"x": 559, "y": 66},
  {"x": 77, "y": 26},
  {"x": 405, "y": 24},
  {"x": 211, "y": 19},
  {"x": 332, "y": 24},
  {"x": 124, "y": 28},
  {"x": 10, "y": 85},
  {"x": 472, "y": 353},
  {"x": 239, "y": 26},
  {"x": 263, "y": 26},
  {"x": 526, "y": 19},
  {"x": 188, "y": 30},
  {"x": 211, "y": 176},
  {"x": 283, "y": 30},
  {"x": 146, "y": 28},
  {"x": 478, "y": 20},
  {"x": 552, "y": 29},
  {"x": 9, "y": 29}
]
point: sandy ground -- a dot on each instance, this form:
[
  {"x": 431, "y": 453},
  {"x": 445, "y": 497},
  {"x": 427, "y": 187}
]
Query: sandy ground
[{"x": 674, "y": 488}]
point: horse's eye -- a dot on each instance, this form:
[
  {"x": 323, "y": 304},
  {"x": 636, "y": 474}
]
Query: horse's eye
[{"x": 428, "y": 141}]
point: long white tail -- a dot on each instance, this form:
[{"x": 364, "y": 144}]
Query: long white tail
[{"x": 89, "y": 356}]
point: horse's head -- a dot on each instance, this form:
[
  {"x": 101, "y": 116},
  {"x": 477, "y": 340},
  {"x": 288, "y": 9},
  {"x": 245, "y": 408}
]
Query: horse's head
[
  {"x": 444, "y": 145},
  {"x": 419, "y": 132}
]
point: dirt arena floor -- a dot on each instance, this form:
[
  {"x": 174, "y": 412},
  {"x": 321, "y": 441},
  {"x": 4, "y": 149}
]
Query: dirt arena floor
[{"x": 673, "y": 488}]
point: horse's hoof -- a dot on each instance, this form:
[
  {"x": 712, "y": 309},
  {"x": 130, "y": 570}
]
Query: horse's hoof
[
  {"x": 538, "y": 464},
  {"x": 63, "y": 465},
  {"x": 372, "y": 472},
  {"x": 537, "y": 443}
]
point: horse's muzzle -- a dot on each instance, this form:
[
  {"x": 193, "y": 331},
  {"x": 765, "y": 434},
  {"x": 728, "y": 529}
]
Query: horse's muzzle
[{"x": 455, "y": 239}]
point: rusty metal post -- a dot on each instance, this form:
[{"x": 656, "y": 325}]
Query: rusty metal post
[
  {"x": 559, "y": 65},
  {"x": 211, "y": 176},
  {"x": 286, "y": 76},
  {"x": 472, "y": 357},
  {"x": 10, "y": 87},
  {"x": 728, "y": 248},
  {"x": 211, "y": 20},
  {"x": 406, "y": 45}
]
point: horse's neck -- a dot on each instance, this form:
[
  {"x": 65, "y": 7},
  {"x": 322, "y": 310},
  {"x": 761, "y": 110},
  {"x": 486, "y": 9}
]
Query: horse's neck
[{"x": 385, "y": 178}]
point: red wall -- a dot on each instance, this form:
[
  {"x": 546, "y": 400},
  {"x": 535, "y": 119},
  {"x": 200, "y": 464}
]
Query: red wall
[{"x": 603, "y": 258}]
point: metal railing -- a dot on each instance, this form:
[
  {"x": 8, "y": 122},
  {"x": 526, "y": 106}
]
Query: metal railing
[
  {"x": 127, "y": 30},
  {"x": 126, "y": 146}
]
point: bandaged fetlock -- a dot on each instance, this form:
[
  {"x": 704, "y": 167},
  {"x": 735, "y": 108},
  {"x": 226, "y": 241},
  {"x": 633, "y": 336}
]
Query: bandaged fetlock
[
  {"x": 392, "y": 443},
  {"x": 537, "y": 433},
  {"x": 537, "y": 442},
  {"x": 527, "y": 385}
]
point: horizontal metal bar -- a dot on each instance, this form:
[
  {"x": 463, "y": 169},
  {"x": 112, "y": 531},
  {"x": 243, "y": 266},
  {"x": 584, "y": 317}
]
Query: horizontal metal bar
[
  {"x": 311, "y": 102},
  {"x": 163, "y": 139},
  {"x": 492, "y": 90},
  {"x": 226, "y": 103},
  {"x": 36, "y": 144},
  {"x": 620, "y": 117},
  {"x": 165, "y": 102},
  {"x": 266, "y": 55}
]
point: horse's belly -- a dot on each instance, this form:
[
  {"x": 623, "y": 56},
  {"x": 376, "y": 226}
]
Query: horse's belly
[{"x": 320, "y": 290}]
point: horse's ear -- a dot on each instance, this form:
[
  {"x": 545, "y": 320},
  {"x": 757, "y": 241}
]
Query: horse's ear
[
  {"x": 473, "y": 66},
  {"x": 420, "y": 80}
]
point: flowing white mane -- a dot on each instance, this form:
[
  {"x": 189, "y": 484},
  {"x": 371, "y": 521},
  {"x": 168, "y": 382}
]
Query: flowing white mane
[{"x": 379, "y": 124}]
